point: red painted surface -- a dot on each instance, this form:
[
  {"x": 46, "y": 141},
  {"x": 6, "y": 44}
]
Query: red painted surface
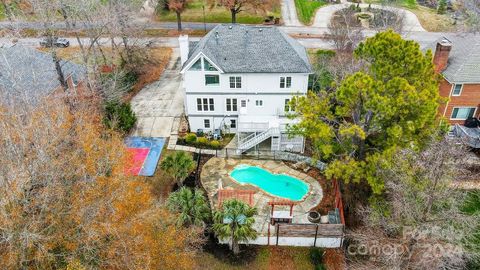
[{"x": 139, "y": 155}]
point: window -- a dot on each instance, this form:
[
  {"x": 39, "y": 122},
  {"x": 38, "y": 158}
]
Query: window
[
  {"x": 243, "y": 103},
  {"x": 288, "y": 106},
  {"x": 285, "y": 82},
  {"x": 205, "y": 104},
  {"x": 233, "y": 123},
  {"x": 235, "y": 82},
  {"x": 198, "y": 65},
  {"x": 207, "y": 66},
  {"x": 206, "y": 123},
  {"x": 212, "y": 79},
  {"x": 259, "y": 103},
  {"x": 231, "y": 105},
  {"x": 457, "y": 89},
  {"x": 462, "y": 113}
]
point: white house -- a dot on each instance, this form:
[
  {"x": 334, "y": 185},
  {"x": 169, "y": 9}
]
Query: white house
[{"x": 240, "y": 79}]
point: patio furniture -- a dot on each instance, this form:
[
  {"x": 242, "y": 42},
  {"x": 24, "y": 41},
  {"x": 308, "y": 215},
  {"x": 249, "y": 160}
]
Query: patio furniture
[
  {"x": 217, "y": 134},
  {"x": 324, "y": 219}
]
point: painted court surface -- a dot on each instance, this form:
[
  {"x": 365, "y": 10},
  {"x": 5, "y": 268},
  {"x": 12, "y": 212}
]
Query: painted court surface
[{"x": 146, "y": 153}]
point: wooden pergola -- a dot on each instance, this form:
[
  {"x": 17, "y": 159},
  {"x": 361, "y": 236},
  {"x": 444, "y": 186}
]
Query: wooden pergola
[
  {"x": 282, "y": 202},
  {"x": 282, "y": 217},
  {"x": 245, "y": 196}
]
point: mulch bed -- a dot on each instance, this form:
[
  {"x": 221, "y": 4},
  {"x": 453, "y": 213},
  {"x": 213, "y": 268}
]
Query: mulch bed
[{"x": 328, "y": 200}]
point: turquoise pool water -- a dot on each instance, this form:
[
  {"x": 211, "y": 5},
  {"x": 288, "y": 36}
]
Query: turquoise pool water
[{"x": 280, "y": 185}]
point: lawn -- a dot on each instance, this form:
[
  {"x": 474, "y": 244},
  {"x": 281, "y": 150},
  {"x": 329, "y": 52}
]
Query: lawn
[
  {"x": 473, "y": 207},
  {"x": 2, "y": 13},
  {"x": 432, "y": 21},
  {"x": 428, "y": 17},
  {"x": 306, "y": 9},
  {"x": 218, "y": 14}
]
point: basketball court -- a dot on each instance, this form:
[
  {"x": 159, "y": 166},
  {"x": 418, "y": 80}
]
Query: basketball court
[{"x": 146, "y": 154}]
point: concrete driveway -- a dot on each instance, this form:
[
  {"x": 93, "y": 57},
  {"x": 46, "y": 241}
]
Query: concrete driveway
[
  {"x": 289, "y": 13},
  {"x": 160, "y": 103}
]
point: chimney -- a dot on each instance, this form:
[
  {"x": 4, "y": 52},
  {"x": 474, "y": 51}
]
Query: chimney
[
  {"x": 183, "y": 42},
  {"x": 442, "y": 51}
]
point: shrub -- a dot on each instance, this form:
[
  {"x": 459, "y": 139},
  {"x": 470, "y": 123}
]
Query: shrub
[
  {"x": 129, "y": 79},
  {"x": 190, "y": 138},
  {"x": 202, "y": 141},
  {"x": 215, "y": 144},
  {"x": 316, "y": 256},
  {"x": 119, "y": 116},
  {"x": 442, "y": 7}
]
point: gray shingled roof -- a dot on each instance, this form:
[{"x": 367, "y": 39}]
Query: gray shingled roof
[
  {"x": 30, "y": 74},
  {"x": 464, "y": 60},
  {"x": 252, "y": 49}
]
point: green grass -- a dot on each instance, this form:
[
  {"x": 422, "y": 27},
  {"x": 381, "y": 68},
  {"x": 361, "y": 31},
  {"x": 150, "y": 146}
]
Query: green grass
[
  {"x": 428, "y": 17},
  {"x": 402, "y": 3},
  {"x": 217, "y": 14},
  {"x": 306, "y": 9},
  {"x": 2, "y": 13},
  {"x": 472, "y": 206}
]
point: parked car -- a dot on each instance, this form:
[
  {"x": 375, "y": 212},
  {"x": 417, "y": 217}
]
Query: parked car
[{"x": 49, "y": 42}]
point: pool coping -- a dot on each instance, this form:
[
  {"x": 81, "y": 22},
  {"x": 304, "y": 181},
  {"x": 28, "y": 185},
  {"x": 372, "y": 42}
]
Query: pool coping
[{"x": 304, "y": 197}]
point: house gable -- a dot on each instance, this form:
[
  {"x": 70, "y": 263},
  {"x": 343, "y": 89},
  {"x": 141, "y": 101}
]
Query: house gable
[{"x": 204, "y": 59}]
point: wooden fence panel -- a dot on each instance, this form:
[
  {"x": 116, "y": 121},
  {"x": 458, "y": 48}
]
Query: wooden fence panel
[{"x": 310, "y": 230}]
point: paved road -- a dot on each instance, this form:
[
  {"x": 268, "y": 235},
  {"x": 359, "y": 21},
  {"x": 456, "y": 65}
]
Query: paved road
[
  {"x": 157, "y": 105},
  {"x": 289, "y": 13},
  {"x": 424, "y": 38}
]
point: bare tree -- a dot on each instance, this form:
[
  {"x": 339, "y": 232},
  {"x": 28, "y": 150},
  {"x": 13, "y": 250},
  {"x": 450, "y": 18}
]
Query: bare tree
[
  {"x": 419, "y": 223},
  {"x": 344, "y": 30},
  {"x": 470, "y": 9}
]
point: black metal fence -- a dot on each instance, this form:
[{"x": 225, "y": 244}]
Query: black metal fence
[{"x": 263, "y": 155}]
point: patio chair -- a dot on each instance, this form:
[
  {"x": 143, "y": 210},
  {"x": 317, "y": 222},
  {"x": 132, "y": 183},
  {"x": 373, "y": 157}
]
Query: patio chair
[{"x": 217, "y": 134}]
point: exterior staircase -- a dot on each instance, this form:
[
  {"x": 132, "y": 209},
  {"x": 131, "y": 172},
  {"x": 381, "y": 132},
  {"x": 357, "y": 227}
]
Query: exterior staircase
[{"x": 252, "y": 140}]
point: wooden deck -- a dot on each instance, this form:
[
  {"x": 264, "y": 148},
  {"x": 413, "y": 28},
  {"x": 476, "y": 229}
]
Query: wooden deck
[{"x": 468, "y": 136}]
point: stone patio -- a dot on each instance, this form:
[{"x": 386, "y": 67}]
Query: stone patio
[{"x": 219, "y": 168}]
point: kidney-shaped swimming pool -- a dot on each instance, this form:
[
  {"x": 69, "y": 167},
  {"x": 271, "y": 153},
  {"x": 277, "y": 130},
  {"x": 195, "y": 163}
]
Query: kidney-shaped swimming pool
[{"x": 280, "y": 185}]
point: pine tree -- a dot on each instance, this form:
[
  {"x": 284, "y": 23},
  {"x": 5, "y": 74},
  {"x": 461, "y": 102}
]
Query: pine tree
[
  {"x": 391, "y": 105},
  {"x": 442, "y": 7}
]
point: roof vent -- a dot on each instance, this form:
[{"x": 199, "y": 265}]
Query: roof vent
[
  {"x": 260, "y": 30},
  {"x": 216, "y": 35},
  {"x": 230, "y": 27}
]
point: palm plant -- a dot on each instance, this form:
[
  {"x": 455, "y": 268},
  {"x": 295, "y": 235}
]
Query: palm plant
[
  {"x": 191, "y": 206},
  {"x": 178, "y": 165},
  {"x": 235, "y": 222}
]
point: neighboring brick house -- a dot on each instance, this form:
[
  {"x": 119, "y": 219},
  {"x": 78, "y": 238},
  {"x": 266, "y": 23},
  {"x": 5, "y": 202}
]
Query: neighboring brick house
[
  {"x": 29, "y": 75},
  {"x": 457, "y": 59}
]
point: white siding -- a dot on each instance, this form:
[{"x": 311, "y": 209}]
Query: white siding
[{"x": 254, "y": 86}]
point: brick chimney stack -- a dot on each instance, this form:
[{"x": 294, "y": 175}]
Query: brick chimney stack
[{"x": 442, "y": 51}]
